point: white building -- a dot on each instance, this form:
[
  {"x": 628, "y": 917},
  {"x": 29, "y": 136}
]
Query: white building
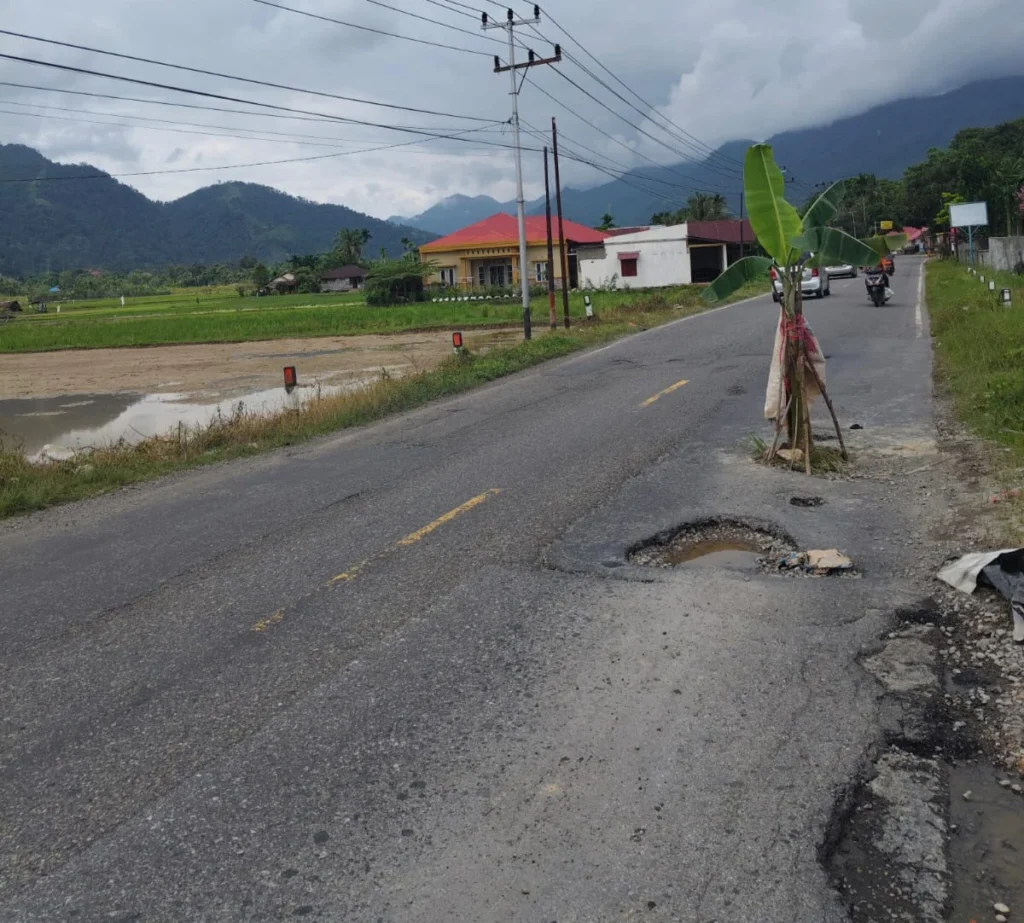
[{"x": 679, "y": 254}]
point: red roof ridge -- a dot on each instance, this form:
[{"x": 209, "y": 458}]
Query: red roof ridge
[{"x": 502, "y": 228}]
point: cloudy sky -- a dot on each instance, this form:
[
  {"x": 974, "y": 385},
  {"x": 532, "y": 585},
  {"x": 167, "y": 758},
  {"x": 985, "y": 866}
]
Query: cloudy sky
[{"x": 736, "y": 69}]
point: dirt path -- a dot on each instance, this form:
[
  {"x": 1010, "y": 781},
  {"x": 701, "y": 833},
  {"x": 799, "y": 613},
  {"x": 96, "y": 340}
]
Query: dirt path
[{"x": 226, "y": 369}]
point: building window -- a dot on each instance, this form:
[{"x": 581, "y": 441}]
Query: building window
[
  {"x": 448, "y": 275},
  {"x": 481, "y": 275},
  {"x": 540, "y": 271},
  {"x": 628, "y": 267}
]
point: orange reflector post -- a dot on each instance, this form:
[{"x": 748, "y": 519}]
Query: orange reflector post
[
  {"x": 291, "y": 377},
  {"x": 457, "y": 340}
]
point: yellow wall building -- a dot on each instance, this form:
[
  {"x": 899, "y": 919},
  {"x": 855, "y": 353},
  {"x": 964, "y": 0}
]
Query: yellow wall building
[{"x": 486, "y": 254}]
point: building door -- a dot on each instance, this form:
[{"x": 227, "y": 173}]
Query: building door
[{"x": 501, "y": 274}]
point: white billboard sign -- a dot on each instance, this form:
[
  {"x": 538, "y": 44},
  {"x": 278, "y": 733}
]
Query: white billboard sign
[{"x": 970, "y": 214}]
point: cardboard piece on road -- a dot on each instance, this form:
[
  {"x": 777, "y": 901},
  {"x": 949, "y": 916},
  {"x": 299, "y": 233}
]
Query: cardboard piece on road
[{"x": 830, "y": 561}]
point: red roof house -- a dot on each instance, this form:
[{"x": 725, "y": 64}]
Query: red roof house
[{"x": 486, "y": 254}]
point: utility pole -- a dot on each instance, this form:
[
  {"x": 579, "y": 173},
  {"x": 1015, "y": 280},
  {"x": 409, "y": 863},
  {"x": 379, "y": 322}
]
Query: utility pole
[
  {"x": 561, "y": 228},
  {"x": 551, "y": 252},
  {"x": 533, "y": 61}
]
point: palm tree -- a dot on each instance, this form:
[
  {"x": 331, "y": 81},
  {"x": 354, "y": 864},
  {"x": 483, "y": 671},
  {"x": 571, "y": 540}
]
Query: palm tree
[{"x": 707, "y": 206}]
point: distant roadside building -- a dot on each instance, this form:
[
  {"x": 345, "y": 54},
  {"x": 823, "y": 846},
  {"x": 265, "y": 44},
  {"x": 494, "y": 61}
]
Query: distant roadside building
[
  {"x": 343, "y": 279},
  {"x": 283, "y": 283},
  {"x": 486, "y": 254},
  {"x": 679, "y": 254}
]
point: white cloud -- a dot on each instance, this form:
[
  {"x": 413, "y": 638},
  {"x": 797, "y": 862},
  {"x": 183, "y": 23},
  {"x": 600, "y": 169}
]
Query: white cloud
[{"x": 741, "y": 68}]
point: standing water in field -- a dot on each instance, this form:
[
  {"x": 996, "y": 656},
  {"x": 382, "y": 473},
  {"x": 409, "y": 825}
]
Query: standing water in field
[{"x": 57, "y": 428}]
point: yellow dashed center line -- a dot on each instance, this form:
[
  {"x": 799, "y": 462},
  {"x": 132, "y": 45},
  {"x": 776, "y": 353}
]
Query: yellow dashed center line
[
  {"x": 411, "y": 539},
  {"x": 662, "y": 393},
  {"x": 414, "y": 537}
]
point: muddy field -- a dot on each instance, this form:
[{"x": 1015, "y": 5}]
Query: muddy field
[
  {"x": 228, "y": 369},
  {"x": 59, "y": 402}
]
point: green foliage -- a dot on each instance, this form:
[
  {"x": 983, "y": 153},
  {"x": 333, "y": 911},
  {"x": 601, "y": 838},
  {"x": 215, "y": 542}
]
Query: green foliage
[
  {"x": 398, "y": 281},
  {"x": 260, "y": 275},
  {"x": 749, "y": 269},
  {"x": 701, "y": 206},
  {"x": 979, "y": 347},
  {"x": 775, "y": 222},
  {"x": 607, "y": 222},
  {"x": 825, "y": 207},
  {"x": 706, "y": 206},
  {"x": 831, "y": 245},
  {"x": 348, "y": 248}
]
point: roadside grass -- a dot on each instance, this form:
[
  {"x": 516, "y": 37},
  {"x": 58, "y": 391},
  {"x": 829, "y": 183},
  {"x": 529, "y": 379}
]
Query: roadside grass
[
  {"x": 168, "y": 319},
  {"x": 979, "y": 346},
  {"x": 26, "y": 486}
]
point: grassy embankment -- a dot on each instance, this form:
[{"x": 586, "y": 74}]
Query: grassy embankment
[
  {"x": 222, "y": 318},
  {"x": 25, "y": 487},
  {"x": 979, "y": 347}
]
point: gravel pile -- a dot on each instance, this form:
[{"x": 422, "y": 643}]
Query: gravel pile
[{"x": 986, "y": 667}]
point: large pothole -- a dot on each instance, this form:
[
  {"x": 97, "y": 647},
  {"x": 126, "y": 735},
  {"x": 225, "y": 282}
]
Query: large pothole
[{"x": 714, "y": 543}]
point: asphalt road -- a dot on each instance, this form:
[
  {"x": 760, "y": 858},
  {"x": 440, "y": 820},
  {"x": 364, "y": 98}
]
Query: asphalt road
[{"x": 406, "y": 674}]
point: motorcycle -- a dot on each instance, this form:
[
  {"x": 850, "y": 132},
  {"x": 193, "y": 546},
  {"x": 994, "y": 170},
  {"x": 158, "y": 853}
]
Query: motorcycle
[{"x": 875, "y": 283}]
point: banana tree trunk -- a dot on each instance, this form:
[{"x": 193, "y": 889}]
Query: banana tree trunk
[{"x": 798, "y": 419}]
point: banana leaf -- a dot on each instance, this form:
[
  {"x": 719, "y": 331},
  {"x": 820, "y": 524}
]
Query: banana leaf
[
  {"x": 774, "y": 220},
  {"x": 886, "y": 243},
  {"x": 830, "y": 246},
  {"x": 825, "y": 206},
  {"x": 741, "y": 272}
]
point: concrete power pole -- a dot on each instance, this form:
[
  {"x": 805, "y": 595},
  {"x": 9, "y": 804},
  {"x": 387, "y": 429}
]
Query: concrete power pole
[{"x": 533, "y": 61}]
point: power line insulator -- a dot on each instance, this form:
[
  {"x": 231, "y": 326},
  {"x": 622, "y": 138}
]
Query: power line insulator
[
  {"x": 511, "y": 16},
  {"x": 558, "y": 51},
  {"x": 536, "y": 11},
  {"x": 483, "y": 19},
  {"x": 531, "y": 56},
  {"x": 497, "y": 64}
]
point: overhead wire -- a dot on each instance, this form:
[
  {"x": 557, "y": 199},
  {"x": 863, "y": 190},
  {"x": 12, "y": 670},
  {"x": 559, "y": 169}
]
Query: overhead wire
[
  {"x": 330, "y": 120},
  {"x": 697, "y": 183},
  {"x": 627, "y": 179},
  {"x": 712, "y": 152},
  {"x": 353, "y": 25},
  {"x": 224, "y": 97},
  {"x": 235, "y": 166},
  {"x": 694, "y": 145},
  {"x": 222, "y": 76},
  {"x": 284, "y": 137},
  {"x": 611, "y": 163}
]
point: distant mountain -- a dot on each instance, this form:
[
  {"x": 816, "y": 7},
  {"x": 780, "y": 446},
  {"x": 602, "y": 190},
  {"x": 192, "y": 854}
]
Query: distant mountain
[
  {"x": 885, "y": 141},
  {"x": 63, "y": 223},
  {"x": 456, "y": 212}
]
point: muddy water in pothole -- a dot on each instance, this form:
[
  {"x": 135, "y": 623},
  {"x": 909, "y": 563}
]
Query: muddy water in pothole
[
  {"x": 987, "y": 848},
  {"x": 714, "y": 554},
  {"x": 68, "y": 400}
]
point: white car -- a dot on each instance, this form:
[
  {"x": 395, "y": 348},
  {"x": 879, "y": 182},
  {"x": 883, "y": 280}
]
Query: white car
[
  {"x": 841, "y": 270},
  {"x": 814, "y": 282}
]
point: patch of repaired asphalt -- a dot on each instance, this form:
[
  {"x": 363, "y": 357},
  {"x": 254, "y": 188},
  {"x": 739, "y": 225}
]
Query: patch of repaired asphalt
[{"x": 890, "y": 863}]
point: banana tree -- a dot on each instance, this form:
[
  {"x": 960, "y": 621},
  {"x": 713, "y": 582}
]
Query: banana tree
[{"x": 792, "y": 244}]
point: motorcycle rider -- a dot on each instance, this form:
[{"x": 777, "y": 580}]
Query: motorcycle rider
[{"x": 880, "y": 270}]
